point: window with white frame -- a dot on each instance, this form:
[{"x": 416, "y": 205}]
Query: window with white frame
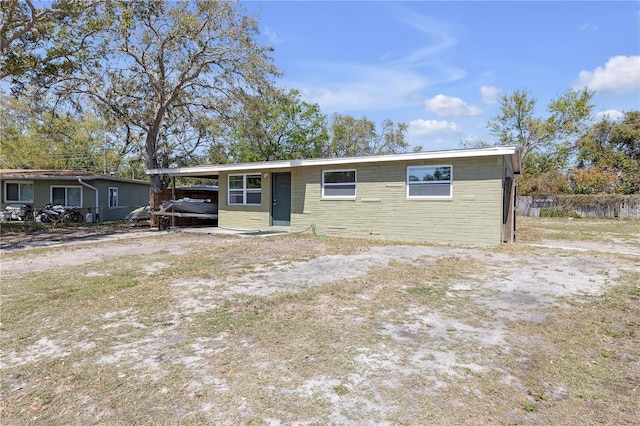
[
  {"x": 18, "y": 192},
  {"x": 68, "y": 196},
  {"x": 245, "y": 190},
  {"x": 338, "y": 184},
  {"x": 113, "y": 197},
  {"x": 429, "y": 181}
]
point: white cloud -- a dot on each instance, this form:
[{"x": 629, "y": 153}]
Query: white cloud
[
  {"x": 272, "y": 36},
  {"x": 418, "y": 128},
  {"x": 611, "y": 114},
  {"x": 437, "y": 36},
  {"x": 345, "y": 87},
  {"x": 589, "y": 27},
  {"x": 395, "y": 82},
  {"x": 621, "y": 74},
  {"x": 361, "y": 88},
  {"x": 340, "y": 98},
  {"x": 447, "y": 106},
  {"x": 490, "y": 94},
  {"x": 433, "y": 134}
]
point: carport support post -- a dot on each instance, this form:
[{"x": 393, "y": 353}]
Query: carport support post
[{"x": 173, "y": 197}]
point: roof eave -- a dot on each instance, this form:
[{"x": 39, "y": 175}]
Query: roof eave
[
  {"x": 19, "y": 176},
  {"x": 268, "y": 165}
]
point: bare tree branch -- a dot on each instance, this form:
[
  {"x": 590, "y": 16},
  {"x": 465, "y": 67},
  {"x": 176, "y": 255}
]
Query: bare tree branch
[{"x": 35, "y": 17}]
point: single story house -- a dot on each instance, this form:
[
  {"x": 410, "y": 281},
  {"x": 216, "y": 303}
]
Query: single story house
[
  {"x": 111, "y": 198},
  {"x": 461, "y": 196}
]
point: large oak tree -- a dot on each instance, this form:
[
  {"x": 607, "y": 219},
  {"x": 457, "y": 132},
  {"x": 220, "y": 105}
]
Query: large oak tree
[
  {"x": 166, "y": 72},
  {"x": 43, "y": 42}
]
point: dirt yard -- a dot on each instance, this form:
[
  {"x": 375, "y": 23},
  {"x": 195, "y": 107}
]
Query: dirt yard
[{"x": 150, "y": 327}]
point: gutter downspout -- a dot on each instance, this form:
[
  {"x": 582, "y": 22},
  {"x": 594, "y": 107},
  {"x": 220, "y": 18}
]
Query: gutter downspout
[{"x": 95, "y": 189}]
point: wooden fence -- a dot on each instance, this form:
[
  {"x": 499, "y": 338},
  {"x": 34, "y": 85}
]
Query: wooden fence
[{"x": 587, "y": 206}]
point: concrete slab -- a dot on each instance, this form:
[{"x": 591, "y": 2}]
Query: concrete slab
[{"x": 243, "y": 233}]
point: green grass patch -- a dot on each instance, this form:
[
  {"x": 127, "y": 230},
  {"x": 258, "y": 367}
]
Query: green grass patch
[{"x": 340, "y": 390}]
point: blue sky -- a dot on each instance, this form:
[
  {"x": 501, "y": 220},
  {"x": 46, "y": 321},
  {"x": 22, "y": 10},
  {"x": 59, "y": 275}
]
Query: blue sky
[{"x": 440, "y": 67}]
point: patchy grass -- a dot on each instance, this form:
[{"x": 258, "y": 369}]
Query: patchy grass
[
  {"x": 186, "y": 335},
  {"x": 533, "y": 229},
  {"x": 585, "y": 366}
]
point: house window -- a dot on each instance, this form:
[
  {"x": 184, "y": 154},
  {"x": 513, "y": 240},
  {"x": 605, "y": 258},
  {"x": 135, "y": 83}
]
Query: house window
[
  {"x": 18, "y": 192},
  {"x": 113, "y": 197},
  {"x": 245, "y": 190},
  {"x": 429, "y": 181},
  {"x": 68, "y": 196},
  {"x": 339, "y": 184}
]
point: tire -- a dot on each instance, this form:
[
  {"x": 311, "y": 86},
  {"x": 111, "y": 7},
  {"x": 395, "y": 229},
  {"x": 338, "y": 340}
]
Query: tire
[
  {"x": 72, "y": 217},
  {"x": 76, "y": 217}
]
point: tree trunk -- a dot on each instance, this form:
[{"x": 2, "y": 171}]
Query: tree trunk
[{"x": 152, "y": 163}]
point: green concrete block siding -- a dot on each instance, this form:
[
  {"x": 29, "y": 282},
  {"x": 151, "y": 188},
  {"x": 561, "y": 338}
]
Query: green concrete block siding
[
  {"x": 381, "y": 208},
  {"x": 244, "y": 217}
]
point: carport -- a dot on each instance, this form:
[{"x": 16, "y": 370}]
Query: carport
[{"x": 205, "y": 172}]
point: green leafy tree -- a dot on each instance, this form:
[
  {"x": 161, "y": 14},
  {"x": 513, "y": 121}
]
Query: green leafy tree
[
  {"x": 169, "y": 70},
  {"x": 43, "y": 42},
  {"x": 391, "y": 139},
  {"x": 132, "y": 166},
  {"x": 29, "y": 140},
  {"x": 544, "y": 175},
  {"x": 351, "y": 137},
  {"x": 18, "y": 149},
  {"x": 516, "y": 124},
  {"x": 546, "y": 144},
  {"x": 274, "y": 125},
  {"x": 607, "y": 161},
  {"x": 626, "y": 135}
]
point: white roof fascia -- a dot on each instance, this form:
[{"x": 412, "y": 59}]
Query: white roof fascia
[
  {"x": 432, "y": 155},
  {"x": 517, "y": 163},
  {"x": 215, "y": 169},
  {"x": 265, "y": 165}
]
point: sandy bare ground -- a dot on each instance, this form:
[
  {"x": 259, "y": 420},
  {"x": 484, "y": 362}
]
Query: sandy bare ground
[{"x": 412, "y": 360}]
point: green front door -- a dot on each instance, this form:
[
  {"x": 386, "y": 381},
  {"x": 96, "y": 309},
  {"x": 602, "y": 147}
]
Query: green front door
[{"x": 281, "y": 200}]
